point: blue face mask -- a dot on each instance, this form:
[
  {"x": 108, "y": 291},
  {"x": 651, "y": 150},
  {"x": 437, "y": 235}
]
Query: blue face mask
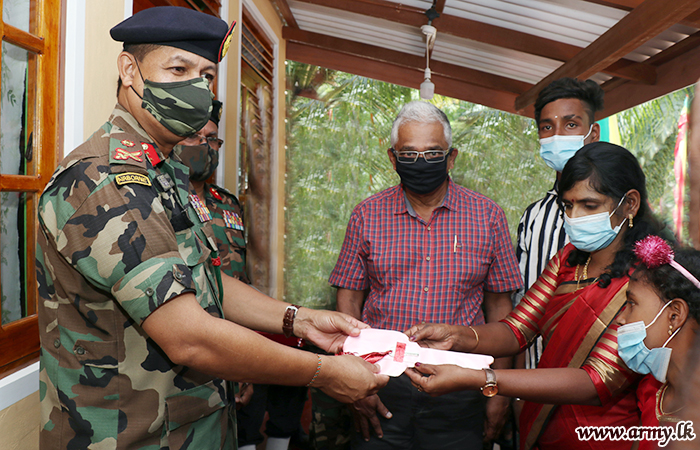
[
  {"x": 591, "y": 233},
  {"x": 558, "y": 149},
  {"x": 634, "y": 352}
]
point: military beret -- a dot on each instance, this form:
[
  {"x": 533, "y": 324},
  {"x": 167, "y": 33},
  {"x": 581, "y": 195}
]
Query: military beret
[
  {"x": 174, "y": 26},
  {"x": 215, "y": 112}
]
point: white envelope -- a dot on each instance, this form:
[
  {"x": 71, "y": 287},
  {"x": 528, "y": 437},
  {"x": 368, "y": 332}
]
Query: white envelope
[{"x": 403, "y": 353}]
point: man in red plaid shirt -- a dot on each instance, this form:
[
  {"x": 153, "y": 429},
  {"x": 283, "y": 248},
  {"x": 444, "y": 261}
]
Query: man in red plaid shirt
[{"x": 426, "y": 250}]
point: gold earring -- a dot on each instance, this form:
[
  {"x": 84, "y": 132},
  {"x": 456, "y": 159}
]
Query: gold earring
[
  {"x": 631, "y": 217},
  {"x": 670, "y": 330}
]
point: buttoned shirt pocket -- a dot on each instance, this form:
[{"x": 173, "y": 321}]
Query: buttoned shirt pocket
[
  {"x": 195, "y": 418},
  {"x": 98, "y": 382}
]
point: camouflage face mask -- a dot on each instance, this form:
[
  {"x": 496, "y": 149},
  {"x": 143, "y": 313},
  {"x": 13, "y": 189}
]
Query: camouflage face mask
[
  {"x": 201, "y": 159},
  {"x": 183, "y": 107}
]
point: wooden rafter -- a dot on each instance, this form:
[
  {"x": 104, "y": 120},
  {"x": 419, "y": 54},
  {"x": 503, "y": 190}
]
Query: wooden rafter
[
  {"x": 395, "y": 74},
  {"x": 440, "y": 6},
  {"x": 625, "y": 5},
  {"x": 408, "y": 61},
  {"x": 286, "y": 12},
  {"x": 482, "y": 32},
  {"x": 674, "y": 74},
  {"x": 643, "y": 23},
  {"x": 693, "y": 20}
]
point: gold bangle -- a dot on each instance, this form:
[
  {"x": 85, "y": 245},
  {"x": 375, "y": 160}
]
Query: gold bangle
[
  {"x": 318, "y": 370},
  {"x": 477, "y": 337}
]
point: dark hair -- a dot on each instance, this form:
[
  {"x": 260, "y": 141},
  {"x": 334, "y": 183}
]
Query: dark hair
[
  {"x": 139, "y": 51},
  {"x": 612, "y": 171},
  {"x": 590, "y": 94},
  {"x": 669, "y": 283}
]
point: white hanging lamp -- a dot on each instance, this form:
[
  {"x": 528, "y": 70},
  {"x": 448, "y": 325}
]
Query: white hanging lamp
[{"x": 427, "y": 88}]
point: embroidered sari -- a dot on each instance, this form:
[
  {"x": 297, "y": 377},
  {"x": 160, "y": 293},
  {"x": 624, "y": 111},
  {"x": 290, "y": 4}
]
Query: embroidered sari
[{"x": 574, "y": 319}]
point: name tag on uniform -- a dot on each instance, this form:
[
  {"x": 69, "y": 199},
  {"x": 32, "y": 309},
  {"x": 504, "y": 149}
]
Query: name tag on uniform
[
  {"x": 132, "y": 177},
  {"x": 233, "y": 220},
  {"x": 200, "y": 208}
]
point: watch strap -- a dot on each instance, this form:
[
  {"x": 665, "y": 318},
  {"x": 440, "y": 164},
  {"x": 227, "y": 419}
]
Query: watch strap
[
  {"x": 490, "y": 376},
  {"x": 288, "y": 321}
]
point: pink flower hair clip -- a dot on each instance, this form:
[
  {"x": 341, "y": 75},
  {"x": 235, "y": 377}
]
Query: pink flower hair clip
[{"x": 653, "y": 252}]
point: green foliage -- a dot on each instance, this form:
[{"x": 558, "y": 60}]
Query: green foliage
[
  {"x": 649, "y": 131},
  {"x": 337, "y": 136}
]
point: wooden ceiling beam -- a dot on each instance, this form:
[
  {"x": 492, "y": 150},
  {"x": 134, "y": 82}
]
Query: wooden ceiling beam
[
  {"x": 643, "y": 23},
  {"x": 693, "y": 20},
  {"x": 673, "y": 74},
  {"x": 485, "y": 33},
  {"x": 625, "y": 5},
  {"x": 660, "y": 59},
  {"x": 391, "y": 73},
  {"x": 408, "y": 61},
  {"x": 286, "y": 13},
  {"x": 440, "y": 6}
]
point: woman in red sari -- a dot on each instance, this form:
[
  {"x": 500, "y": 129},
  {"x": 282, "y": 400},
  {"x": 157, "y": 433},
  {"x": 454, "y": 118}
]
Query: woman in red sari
[{"x": 603, "y": 193}]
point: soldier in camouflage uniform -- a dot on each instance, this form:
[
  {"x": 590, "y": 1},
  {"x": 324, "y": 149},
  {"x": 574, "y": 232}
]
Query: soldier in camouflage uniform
[
  {"x": 134, "y": 350},
  {"x": 284, "y": 404},
  {"x": 200, "y": 153}
]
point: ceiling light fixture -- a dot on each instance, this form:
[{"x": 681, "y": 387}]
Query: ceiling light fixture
[{"x": 427, "y": 88}]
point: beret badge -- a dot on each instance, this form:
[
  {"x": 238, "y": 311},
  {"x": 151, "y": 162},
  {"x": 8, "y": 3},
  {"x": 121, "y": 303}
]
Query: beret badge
[{"x": 227, "y": 42}]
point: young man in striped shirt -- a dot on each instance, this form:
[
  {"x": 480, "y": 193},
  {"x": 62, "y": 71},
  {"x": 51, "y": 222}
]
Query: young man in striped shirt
[{"x": 565, "y": 117}]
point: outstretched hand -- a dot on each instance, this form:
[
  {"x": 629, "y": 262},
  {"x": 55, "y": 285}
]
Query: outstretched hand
[
  {"x": 439, "y": 380},
  {"x": 326, "y": 329},
  {"x": 348, "y": 378},
  {"x": 433, "y": 335}
]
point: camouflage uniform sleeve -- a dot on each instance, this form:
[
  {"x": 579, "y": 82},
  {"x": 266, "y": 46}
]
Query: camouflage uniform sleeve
[{"x": 121, "y": 240}]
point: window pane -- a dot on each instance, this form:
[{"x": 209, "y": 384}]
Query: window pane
[
  {"x": 17, "y": 110},
  {"x": 13, "y": 255},
  {"x": 16, "y": 13}
]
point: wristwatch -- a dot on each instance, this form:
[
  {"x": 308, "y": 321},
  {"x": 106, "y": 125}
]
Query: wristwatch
[
  {"x": 491, "y": 387},
  {"x": 288, "y": 321}
]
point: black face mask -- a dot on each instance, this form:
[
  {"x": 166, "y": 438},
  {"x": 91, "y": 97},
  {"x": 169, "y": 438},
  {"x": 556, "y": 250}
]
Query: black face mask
[{"x": 423, "y": 177}]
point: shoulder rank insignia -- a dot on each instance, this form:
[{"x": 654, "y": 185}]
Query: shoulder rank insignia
[
  {"x": 132, "y": 177},
  {"x": 200, "y": 208},
  {"x": 214, "y": 193},
  {"x": 127, "y": 143},
  {"x": 123, "y": 155},
  {"x": 151, "y": 153},
  {"x": 233, "y": 220}
]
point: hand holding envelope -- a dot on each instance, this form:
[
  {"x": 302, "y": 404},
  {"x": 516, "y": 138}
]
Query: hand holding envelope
[{"x": 393, "y": 352}]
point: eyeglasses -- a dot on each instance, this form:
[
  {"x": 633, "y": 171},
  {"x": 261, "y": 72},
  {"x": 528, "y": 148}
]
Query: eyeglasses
[
  {"x": 214, "y": 142},
  {"x": 430, "y": 156}
]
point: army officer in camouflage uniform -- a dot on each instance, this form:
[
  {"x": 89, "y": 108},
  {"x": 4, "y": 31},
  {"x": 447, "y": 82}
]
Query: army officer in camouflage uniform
[
  {"x": 200, "y": 153},
  {"x": 134, "y": 348}
]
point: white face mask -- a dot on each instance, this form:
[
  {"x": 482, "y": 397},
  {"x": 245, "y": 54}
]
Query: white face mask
[
  {"x": 593, "y": 232},
  {"x": 635, "y": 353},
  {"x": 557, "y": 150}
]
